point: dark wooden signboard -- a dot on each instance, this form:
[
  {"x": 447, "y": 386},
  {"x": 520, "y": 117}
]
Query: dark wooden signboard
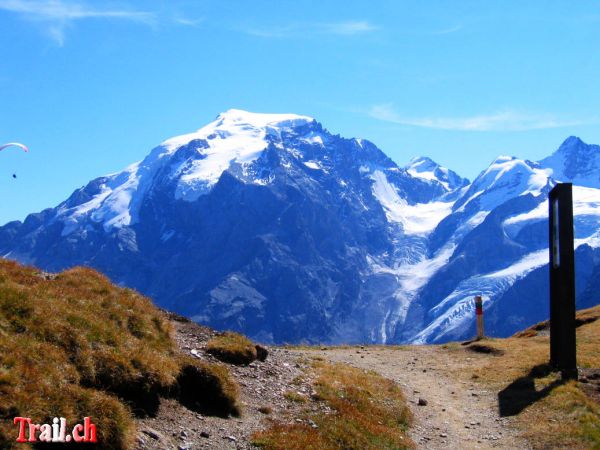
[{"x": 562, "y": 281}]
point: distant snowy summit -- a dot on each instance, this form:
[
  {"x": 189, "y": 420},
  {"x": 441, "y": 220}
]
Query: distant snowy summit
[
  {"x": 270, "y": 225},
  {"x": 427, "y": 169},
  {"x": 575, "y": 161},
  {"x": 235, "y": 139},
  {"x": 194, "y": 162}
]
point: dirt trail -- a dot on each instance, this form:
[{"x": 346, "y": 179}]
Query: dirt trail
[{"x": 459, "y": 414}]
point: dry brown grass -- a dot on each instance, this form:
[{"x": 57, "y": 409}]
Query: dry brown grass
[
  {"x": 551, "y": 413},
  {"x": 78, "y": 346},
  {"x": 583, "y": 317},
  {"x": 368, "y": 412},
  {"x": 296, "y": 397},
  {"x": 232, "y": 348},
  {"x": 70, "y": 346}
]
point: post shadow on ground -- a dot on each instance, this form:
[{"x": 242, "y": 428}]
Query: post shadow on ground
[{"x": 521, "y": 393}]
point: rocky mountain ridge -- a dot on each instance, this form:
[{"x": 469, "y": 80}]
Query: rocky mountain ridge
[{"x": 270, "y": 225}]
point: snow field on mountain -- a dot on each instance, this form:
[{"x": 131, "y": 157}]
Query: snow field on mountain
[{"x": 420, "y": 218}]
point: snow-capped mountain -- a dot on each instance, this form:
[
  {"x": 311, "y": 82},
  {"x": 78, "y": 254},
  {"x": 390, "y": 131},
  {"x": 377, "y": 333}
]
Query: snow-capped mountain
[
  {"x": 499, "y": 233},
  {"x": 270, "y": 225},
  {"x": 575, "y": 161},
  {"x": 426, "y": 169}
]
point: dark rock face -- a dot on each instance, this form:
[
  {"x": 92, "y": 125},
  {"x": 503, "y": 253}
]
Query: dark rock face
[{"x": 312, "y": 238}]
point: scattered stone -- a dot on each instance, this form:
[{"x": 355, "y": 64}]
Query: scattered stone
[
  {"x": 444, "y": 435},
  {"x": 183, "y": 434},
  {"x": 152, "y": 433},
  {"x": 205, "y": 435},
  {"x": 422, "y": 402},
  {"x": 231, "y": 438}
]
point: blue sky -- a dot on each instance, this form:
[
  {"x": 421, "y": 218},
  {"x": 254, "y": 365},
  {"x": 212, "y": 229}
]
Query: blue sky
[{"x": 92, "y": 86}]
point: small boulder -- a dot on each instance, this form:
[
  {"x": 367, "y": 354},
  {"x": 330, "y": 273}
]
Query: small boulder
[
  {"x": 157, "y": 436},
  {"x": 422, "y": 402}
]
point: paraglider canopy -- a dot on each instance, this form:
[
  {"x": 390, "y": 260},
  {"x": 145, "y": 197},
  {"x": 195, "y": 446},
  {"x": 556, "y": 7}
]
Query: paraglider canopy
[{"x": 14, "y": 144}]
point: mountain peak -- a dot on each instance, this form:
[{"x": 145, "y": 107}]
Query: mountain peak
[
  {"x": 421, "y": 163},
  {"x": 239, "y": 116},
  {"x": 575, "y": 161},
  {"x": 427, "y": 169},
  {"x": 237, "y": 122},
  {"x": 571, "y": 141},
  {"x": 506, "y": 177},
  {"x": 502, "y": 159}
]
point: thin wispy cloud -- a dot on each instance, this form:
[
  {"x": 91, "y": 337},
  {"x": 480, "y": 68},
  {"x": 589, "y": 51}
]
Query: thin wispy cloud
[
  {"x": 500, "y": 121},
  {"x": 450, "y": 30},
  {"x": 347, "y": 28},
  {"x": 188, "y": 22},
  {"x": 57, "y": 15}
]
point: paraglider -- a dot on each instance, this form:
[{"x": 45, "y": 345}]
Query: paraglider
[{"x": 14, "y": 144}]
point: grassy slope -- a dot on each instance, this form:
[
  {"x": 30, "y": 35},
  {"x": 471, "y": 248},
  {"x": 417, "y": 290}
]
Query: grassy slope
[
  {"x": 75, "y": 345},
  {"x": 551, "y": 413}
]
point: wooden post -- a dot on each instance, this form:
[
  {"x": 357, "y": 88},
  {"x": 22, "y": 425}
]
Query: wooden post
[
  {"x": 563, "y": 351},
  {"x": 479, "y": 313}
]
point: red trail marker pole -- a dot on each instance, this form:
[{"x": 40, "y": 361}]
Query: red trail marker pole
[{"x": 479, "y": 313}]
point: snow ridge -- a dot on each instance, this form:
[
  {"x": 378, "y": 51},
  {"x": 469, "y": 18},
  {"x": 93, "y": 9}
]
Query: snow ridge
[{"x": 235, "y": 137}]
